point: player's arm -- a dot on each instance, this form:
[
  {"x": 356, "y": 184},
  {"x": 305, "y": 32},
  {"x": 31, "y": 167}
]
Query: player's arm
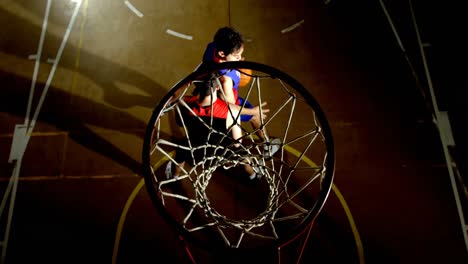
[{"x": 227, "y": 93}]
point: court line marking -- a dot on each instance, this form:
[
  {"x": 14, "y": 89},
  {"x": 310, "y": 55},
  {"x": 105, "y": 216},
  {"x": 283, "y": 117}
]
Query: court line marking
[
  {"x": 293, "y": 151},
  {"x": 292, "y": 27},
  {"x": 22, "y": 133},
  {"x": 133, "y": 9},
  {"x": 125, "y": 210},
  {"x": 349, "y": 215},
  {"x": 179, "y": 35}
]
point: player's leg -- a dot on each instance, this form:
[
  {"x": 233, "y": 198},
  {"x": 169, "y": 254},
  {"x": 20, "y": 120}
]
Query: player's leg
[
  {"x": 255, "y": 122},
  {"x": 174, "y": 169},
  {"x": 272, "y": 144}
]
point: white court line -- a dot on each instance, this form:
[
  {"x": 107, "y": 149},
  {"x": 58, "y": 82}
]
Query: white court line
[
  {"x": 54, "y": 67},
  {"x": 23, "y": 132},
  {"x": 292, "y": 27},
  {"x": 133, "y": 8},
  {"x": 177, "y": 34},
  {"x": 37, "y": 62}
]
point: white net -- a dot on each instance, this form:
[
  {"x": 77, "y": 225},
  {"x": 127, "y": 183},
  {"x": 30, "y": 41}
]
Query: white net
[{"x": 210, "y": 196}]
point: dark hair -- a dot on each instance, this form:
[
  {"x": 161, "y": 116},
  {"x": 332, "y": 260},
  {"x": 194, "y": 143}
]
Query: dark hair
[
  {"x": 206, "y": 86},
  {"x": 228, "y": 40}
]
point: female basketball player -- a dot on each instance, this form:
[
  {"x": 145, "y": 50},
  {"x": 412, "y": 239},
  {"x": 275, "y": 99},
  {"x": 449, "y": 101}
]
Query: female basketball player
[
  {"x": 205, "y": 103},
  {"x": 228, "y": 45}
]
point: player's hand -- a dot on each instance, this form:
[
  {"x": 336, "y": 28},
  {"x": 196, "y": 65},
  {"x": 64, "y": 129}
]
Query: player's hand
[{"x": 261, "y": 109}]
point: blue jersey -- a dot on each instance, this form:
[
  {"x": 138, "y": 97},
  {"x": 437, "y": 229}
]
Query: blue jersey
[{"x": 209, "y": 56}]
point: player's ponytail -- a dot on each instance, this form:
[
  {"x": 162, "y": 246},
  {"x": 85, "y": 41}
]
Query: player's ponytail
[{"x": 206, "y": 86}]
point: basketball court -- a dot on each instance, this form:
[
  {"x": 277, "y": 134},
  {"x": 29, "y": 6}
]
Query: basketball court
[{"x": 84, "y": 84}]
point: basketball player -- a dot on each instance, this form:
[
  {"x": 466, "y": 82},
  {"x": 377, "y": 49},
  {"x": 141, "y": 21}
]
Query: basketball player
[
  {"x": 205, "y": 103},
  {"x": 228, "y": 45}
]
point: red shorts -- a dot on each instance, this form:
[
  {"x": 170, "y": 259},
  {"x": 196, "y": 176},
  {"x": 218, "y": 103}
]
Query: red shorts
[{"x": 220, "y": 108}]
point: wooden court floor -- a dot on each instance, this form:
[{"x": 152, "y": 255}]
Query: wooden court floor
[{"x": 104, "y": 65}]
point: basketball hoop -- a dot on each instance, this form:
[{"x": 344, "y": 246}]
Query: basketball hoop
[{"x": 212, "y": 202}]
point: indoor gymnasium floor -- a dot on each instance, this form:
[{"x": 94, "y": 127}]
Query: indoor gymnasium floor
[{"x": 103, "y": 68}]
